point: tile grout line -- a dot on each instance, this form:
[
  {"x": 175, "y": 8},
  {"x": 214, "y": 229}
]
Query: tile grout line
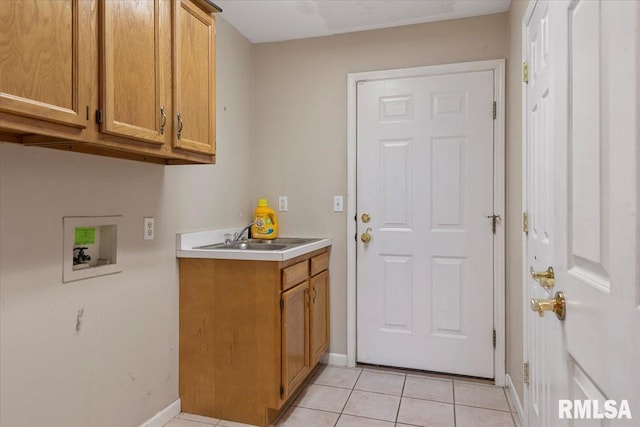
[
  {"x": 453, "y": 388},
  {"x": 400, "y": 402},
  {"x": 348, "y": 397},
  {"x": 484, "y": 407}
]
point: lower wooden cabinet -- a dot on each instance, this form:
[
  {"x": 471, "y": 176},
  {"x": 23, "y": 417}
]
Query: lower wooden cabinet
[
  {"x": 319, "y": 315},
  {"x": 295, "y": 337},
  {"x": 251, "y": 332}
]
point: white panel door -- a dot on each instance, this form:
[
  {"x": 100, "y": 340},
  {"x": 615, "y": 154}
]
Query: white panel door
[
  {"x": 598, "y": 258},
  {"x": 425, "y": 178},
  {"x": 595, "y": 201},
  {"x": 544, "y": 333}
]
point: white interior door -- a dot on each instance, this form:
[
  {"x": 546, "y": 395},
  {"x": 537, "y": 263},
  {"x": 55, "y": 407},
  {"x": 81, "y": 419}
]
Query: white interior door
[
  {"x": 595, "y": 356},
  {"x": 544, "y": 333},
  {"x": 425, "y": 178}
]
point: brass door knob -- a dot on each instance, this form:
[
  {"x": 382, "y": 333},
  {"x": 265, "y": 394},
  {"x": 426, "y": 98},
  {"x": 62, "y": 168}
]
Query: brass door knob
[
  {"x": 365, "y": 218},
  {"x": 547, "y": 274},
  {"x": 557, "y": 305},
  {"x": 545, "y": 278},
  {"x": 366, "y": 236}
]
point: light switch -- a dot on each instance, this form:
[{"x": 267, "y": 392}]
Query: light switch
[
  {"x": 283, "y": 204},
  {"x": 338, "y": 204},
  {"x": 149, "y": 228}
]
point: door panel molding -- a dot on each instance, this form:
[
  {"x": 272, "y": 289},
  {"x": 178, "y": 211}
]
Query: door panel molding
[{"x": 396, "y": 110}]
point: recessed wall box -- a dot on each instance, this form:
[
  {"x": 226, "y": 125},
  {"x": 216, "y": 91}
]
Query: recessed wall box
[{"x": 90, "y": 247}]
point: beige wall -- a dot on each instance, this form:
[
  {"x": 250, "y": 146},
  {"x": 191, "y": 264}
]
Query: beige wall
[
  {"x": 121, "y": 367},
  {"x": 301, "y": 119},
  {"x": 514, "y": 196}
]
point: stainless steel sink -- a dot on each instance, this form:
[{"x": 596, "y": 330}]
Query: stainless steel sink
[
  {"x": 295, "y": 241},
  {"x": 278, "y": 244}
]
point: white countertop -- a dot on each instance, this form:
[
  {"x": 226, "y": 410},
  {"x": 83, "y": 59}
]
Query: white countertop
[{"x": 187, "y": 244}]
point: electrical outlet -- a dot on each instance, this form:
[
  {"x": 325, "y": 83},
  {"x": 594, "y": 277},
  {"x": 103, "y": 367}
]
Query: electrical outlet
[
  {"x": 338, "y": 204},
  {"x": 149, "y": 228},
  {"x": 283, "y": 204}
]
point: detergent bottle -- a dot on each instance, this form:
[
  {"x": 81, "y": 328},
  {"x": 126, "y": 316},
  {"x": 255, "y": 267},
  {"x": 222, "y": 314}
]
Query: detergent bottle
[{"x": 265, "y": 222}]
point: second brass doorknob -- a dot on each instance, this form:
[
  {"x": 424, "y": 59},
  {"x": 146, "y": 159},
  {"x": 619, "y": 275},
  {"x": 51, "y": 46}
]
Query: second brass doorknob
[
  {"x": 557, "y": 305},
  {"x": 366, "y": 236}
]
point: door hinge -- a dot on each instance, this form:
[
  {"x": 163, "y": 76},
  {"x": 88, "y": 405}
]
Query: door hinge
[
  {"x": 281, "y": 391},
  {"x": 99, "y": 116},
  {"x": 525, "y": 72},
  {"x": 495, "y": 110},
  {"x": 525, "y": 373},
  {"x": 525, "y": 222},
  {"x": 494, "y": 338},
  {"x": 281, "y": 303},
  {"x": 355, "y": 237}
]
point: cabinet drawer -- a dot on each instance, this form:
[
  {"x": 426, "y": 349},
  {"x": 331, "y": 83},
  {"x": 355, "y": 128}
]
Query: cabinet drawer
[
  {"x": 319, "y": 263},
  {"x": 295, "y": 274}
]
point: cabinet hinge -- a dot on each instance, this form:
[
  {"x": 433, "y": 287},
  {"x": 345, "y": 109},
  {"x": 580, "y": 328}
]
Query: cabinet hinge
[
  {"x": 525, "y": 72},
  {"x": 281, "y": 391},
  {"x": 495, "y": 110},
  {"x": 99, "y": 116},
  {"x": 525, "y": 222},
  {"x": 494, "y": 338},
  {"x": 281, "y": 303},
  {"x": 525, "y": 373}
]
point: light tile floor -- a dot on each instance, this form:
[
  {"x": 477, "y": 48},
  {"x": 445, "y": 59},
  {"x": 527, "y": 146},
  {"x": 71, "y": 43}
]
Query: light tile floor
[{"x": 378, "y": 397}]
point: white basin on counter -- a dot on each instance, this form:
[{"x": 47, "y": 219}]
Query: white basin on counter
[{"x": 210, "y": 244}]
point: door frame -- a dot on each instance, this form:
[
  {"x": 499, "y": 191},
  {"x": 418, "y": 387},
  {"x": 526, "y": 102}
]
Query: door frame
[
  {"x": 525, "y": 200},
  {"x": 498, "y": 68}
]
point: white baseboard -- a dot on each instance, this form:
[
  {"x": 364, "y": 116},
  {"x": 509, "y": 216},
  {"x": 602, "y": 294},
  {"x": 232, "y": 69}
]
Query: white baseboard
[
  {"x": 334, "y": 359},
  {"x": 164, "y": 416},
  {"x": 515, "y": 399}
]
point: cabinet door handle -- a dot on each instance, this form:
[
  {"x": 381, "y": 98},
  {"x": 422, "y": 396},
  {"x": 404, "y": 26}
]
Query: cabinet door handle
[
  {"x": 314, "y": 295},
  {"x": 180, "y": 125},
  {"x": 163, "y": 123}
]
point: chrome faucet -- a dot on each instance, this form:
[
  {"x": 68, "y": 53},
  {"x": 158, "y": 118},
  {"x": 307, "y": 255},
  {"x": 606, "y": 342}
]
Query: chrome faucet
[{"x": 238, "y": 236}]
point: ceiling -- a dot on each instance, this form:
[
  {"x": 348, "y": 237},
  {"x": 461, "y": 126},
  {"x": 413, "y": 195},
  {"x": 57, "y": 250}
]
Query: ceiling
[{"x": 276, "y": 20}]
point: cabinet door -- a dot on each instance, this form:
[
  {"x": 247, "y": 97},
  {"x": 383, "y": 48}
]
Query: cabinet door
[
  {"x": 45, "y": 60},
  {"x": 133, "y": 78},
  {"x": 295, "y": 337},
  {"x": 194, "y": 77},
  {"x": 319, "y": 315}
]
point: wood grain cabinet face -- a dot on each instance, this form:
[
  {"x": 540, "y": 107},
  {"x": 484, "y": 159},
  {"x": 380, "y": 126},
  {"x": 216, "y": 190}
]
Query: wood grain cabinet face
[
  {"x": 194, "y": 84},
  {"x": 295, "y": 337},
  {"x": 45, "y": 60},
  {"x": 122, "y": 78},
  {"x": 251, "y": 332},
  {"x": 133, "y": 78},
  {"x": 319, "y": 315}
]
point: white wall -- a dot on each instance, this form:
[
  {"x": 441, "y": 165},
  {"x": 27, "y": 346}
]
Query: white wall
[
  {"x": 121, "y": 366},
  {"x": 301, "y": 120}
]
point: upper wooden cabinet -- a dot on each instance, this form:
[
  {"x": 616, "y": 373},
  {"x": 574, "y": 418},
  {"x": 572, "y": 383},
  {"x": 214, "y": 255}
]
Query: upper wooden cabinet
[
  {"x": 194, "y": 77},
  {"x": 44, "y": 60},
  {"x": 134, "y": 93},
  {"x": 122, "y": 78}
]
